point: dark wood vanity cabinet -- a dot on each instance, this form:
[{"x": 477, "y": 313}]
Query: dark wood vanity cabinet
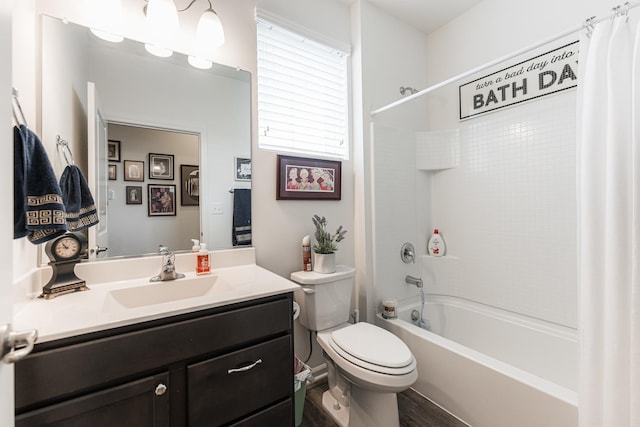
[{"x": 225, "y": 366}]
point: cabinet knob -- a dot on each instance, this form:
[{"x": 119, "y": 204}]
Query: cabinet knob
[{"x": 161, "y": 389}]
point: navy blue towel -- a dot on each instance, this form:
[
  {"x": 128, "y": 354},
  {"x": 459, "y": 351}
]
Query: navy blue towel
[
  {"x": 241, "y": 234},
  {"x": 38, "y": 209},
  {"x": 78, "y": 201}
]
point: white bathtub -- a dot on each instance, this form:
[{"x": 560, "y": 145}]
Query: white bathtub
[{"x": 492, "y": 368}]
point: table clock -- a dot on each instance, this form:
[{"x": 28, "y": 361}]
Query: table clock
[{"x": 65, "y": 252}]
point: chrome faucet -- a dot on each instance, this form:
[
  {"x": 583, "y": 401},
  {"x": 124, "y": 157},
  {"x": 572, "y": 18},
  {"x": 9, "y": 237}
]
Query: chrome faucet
[
  {"x": 414, "y": 281},
  {"x": 168, "y": 271}
]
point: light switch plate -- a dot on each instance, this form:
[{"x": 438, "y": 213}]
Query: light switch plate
[{"x": 216, "y": 209}]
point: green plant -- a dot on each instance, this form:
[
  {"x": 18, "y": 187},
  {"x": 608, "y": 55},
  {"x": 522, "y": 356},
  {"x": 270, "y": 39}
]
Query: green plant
[{"x": 325, "y": 242}]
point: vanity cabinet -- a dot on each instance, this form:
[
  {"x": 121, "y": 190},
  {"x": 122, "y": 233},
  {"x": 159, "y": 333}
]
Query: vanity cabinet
[{"x": 231, "y": 365}]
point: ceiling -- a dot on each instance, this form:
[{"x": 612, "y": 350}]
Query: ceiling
[{"x": 425, "y": 15}]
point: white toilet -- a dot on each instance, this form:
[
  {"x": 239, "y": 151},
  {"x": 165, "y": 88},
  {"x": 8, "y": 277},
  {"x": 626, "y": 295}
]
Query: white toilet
[{"x": 366, "y": 365}]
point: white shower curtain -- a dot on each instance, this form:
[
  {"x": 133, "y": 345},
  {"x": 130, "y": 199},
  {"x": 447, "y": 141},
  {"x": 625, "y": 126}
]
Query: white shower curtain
[{"x": 609, "y": 225}]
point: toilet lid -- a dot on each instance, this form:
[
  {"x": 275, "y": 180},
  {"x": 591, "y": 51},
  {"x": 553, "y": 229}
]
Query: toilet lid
[{"x": 372, "y": 344}]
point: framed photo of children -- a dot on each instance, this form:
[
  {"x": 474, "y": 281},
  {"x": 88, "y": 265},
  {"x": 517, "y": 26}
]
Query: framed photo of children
[
  {"x": 301, "y": 178},
  {"x": 162, "y": 200},
  {"x": 160, "y": 166}
]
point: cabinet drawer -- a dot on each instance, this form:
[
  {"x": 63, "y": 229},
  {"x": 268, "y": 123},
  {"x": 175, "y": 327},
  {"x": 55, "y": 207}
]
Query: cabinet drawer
[
  {"x": 280, "y": 415},
  {"x": 136, "y": 403},
  {"x": 225, "y": 388},
  {"x": 41, "y": 378}
]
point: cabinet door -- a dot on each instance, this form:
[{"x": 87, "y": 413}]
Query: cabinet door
[
  {"x": 140, "y": 403},
  {"x": 232, "y": 386}
]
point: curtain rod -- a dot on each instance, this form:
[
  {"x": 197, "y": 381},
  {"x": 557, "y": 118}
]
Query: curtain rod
[{"x": 587, "y": 24}]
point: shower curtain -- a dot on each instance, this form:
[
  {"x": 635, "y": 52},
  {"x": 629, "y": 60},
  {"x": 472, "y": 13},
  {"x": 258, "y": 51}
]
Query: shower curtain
[{"x": 609, "y": 224}]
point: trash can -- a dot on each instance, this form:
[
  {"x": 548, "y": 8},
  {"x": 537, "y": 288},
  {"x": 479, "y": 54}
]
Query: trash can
[{"x": 302, "y": 375}]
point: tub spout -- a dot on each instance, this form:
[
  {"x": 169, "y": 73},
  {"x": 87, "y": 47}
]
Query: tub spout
[{"x": 414, "y": 281}]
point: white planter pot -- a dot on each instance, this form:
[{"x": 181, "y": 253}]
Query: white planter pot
[{"x": 324, "y": 263}]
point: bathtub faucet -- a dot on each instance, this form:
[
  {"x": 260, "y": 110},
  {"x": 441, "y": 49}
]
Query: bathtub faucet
[{"x": 414, "y": 281}]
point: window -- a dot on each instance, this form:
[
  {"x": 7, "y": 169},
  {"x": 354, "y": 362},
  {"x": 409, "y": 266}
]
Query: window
[{"x": 302, "y": 94}]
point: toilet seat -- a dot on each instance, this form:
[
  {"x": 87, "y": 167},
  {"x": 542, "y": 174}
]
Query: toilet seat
[{"x": 373, "y": 348}]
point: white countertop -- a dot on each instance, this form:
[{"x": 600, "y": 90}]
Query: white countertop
[{"x": 102, "y": 308}]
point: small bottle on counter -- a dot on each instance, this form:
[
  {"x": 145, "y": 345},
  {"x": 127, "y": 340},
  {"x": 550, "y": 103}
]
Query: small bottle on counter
[{"x": 203, "y": 265}]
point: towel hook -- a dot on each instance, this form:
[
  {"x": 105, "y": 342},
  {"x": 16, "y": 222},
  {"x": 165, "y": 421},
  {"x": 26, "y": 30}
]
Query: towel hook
[
  {"x": 17, "y": 103},
  {"x": 63, "y": 145}
]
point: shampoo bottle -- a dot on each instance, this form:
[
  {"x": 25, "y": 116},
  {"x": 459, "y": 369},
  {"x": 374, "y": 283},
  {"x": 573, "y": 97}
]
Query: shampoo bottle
[
  {"x": 203, "y": 265},
  {"x": 436, "y": 246},
  {"x": 306, "y": 253}
]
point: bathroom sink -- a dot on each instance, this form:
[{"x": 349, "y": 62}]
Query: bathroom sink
[{"x": 163, "y": 292}]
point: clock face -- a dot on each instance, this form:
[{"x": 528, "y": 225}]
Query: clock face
[{"x": 67, "y": 247}]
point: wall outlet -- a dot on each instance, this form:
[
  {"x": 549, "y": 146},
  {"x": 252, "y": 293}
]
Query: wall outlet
[{"x": 216, "y": 209}]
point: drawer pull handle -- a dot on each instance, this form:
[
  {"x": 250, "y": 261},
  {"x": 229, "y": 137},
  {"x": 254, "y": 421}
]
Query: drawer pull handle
[
  {"x": 161, "y": 389},
  {"x": 245, "y": 368}
]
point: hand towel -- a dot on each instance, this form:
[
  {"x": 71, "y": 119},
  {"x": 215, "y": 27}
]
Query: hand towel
[
  {"x": 78, "y": 201},
  {"x": 38, "y": 210},
  {"x": 241, "y": 234}
]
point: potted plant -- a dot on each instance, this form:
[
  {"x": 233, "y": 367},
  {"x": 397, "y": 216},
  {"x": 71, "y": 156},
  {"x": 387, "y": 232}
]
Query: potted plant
[{"x": 326, "y": 245}]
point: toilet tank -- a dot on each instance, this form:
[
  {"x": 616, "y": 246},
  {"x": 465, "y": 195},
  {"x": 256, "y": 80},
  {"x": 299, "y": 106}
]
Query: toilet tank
[{"x": 324, "y": 298}]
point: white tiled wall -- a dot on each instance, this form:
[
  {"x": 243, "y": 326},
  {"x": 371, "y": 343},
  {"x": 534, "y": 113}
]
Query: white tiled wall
[{"x": 507, "y": 212}]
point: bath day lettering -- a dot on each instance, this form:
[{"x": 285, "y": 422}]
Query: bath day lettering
[
  {"x": 526, "y": 79},
  {"x": 505, "y": 92}
]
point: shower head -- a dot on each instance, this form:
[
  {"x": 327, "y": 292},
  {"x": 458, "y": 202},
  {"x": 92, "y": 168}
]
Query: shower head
[{"x": 404, "y": 90}]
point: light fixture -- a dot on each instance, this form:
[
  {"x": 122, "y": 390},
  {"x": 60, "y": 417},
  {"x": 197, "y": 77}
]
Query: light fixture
[
  {"x": 162, "y": 23},
  {"x": 108, "y": 20}
]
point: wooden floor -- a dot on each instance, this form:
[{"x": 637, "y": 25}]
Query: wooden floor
[{"x": 415, "y": 411}]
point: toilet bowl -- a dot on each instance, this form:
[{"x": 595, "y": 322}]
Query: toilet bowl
[{"x": 366, "y": 365}]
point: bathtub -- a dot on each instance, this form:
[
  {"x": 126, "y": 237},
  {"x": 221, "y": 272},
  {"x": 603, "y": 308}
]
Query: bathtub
[{"x": 490, "y": 367}]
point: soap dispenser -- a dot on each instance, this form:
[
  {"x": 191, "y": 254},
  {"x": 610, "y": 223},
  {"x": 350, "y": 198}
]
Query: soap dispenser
[
  {"x": 196, "y": 246},
  {"x": 203, "y": 265}
]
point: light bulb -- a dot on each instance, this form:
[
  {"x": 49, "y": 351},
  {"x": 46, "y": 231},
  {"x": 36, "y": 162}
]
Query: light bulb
[
  {"x": 107, "y": 20},
  {"x": 162, "y": 25},
  {"x": 156, "y": 50},
  {"x": 210, "y": 31},
  {"x": 198, "y": 62}
]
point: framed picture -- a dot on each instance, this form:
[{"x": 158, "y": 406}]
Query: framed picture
[
  {"x": 308, "y": 179},
  {"x": 134, "y": 194},
  {"x": 160, "y": 166},
  {"x": 113, "y": 150},
  {"x": 112, "y": 172},
  {"x": 162, "y": 200},
  {"x": 189, "y": 185},
  {"x": 243, "y": 169},
  {"x": 133, "y": 170}
]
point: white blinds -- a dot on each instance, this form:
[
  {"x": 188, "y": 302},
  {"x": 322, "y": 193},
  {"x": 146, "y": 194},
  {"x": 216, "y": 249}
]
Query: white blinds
[{"x": 302, "y": 94}]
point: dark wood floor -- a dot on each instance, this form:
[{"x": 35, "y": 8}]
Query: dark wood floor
[{"x": 415, "y": 411}]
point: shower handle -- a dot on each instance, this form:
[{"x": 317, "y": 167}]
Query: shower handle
[{"x": 407, "y": 253}]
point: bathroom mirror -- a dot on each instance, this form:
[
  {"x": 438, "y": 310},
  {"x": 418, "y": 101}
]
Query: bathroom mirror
[{"x": 134, "y": 88}]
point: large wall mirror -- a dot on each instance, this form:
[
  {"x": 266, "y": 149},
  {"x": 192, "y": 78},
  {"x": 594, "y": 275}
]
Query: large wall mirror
[{"x": 164, "y": 129}]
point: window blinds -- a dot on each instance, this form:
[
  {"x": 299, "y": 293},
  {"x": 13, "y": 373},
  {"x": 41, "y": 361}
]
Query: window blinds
[{"x": 302, "y": 94}]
